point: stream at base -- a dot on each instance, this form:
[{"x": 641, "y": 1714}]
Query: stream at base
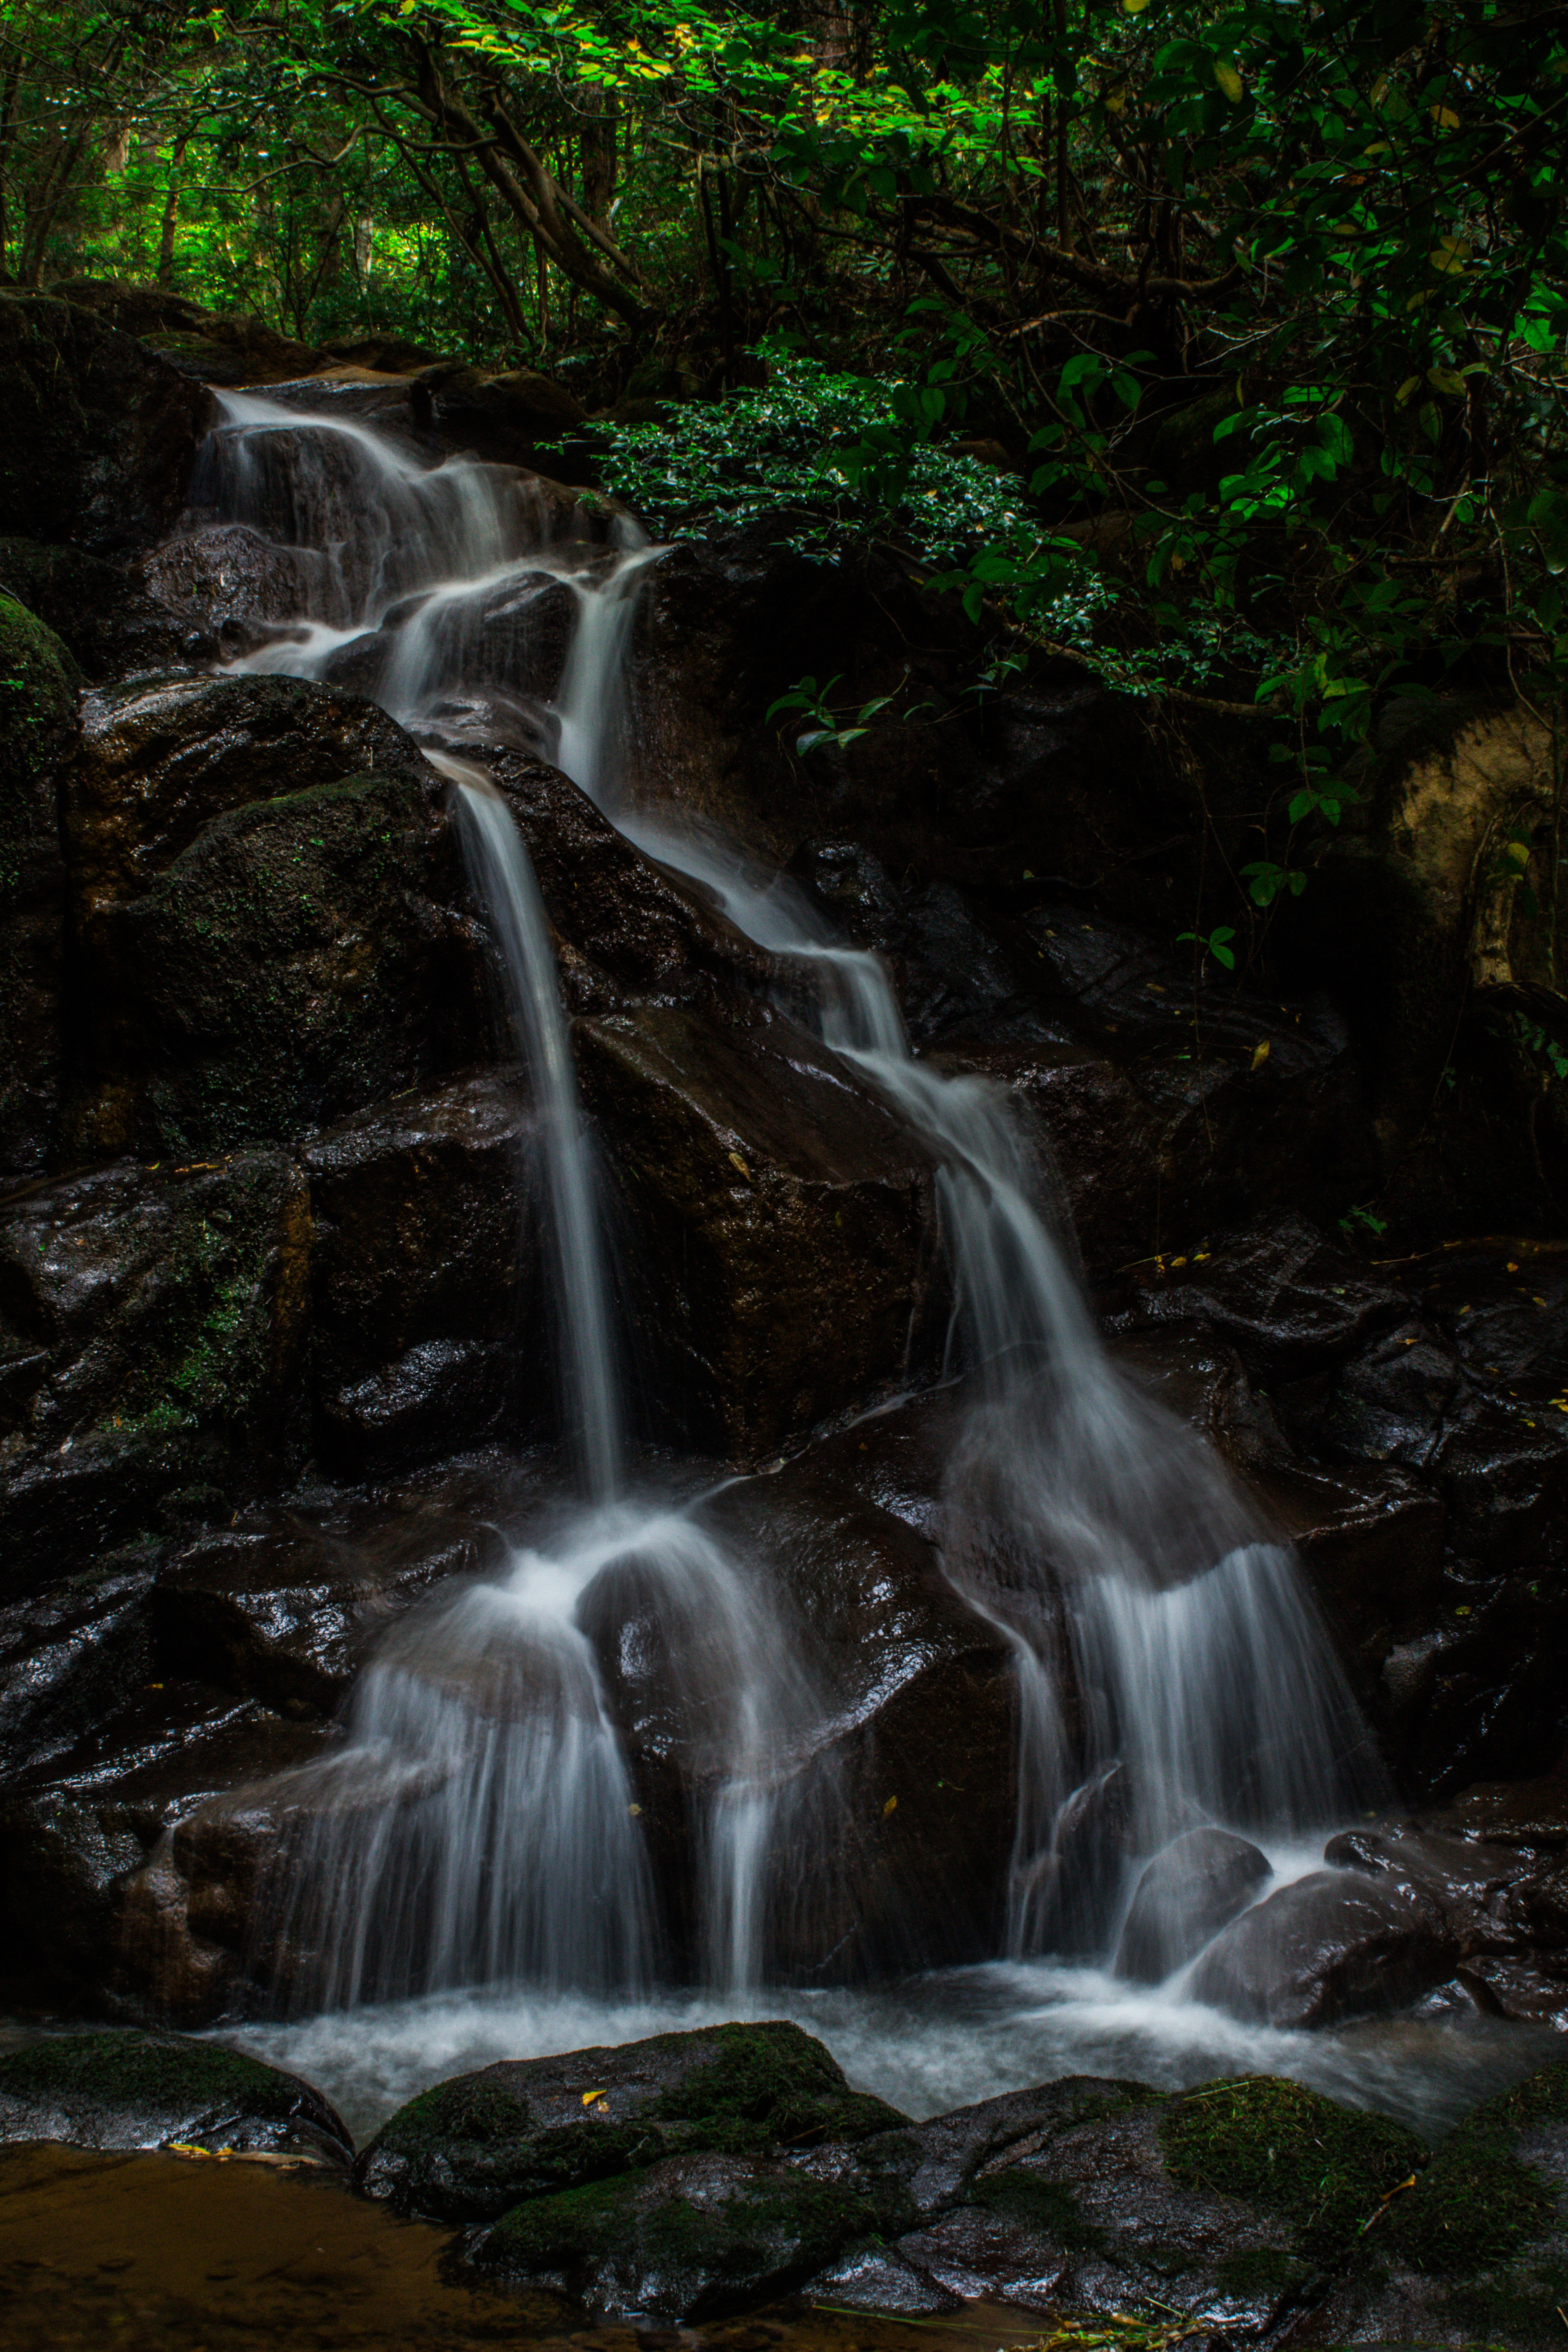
[{"x": 926, "y": 2044}]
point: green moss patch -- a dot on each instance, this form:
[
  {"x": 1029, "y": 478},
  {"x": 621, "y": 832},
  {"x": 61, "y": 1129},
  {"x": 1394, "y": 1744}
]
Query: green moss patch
[
  {"x": 767, "y": 2230},
  {"x": 1263, "y": 2271},
  {"x": 1049, "y": 2208},
  {"x": 1287, "y": 2150},
  {"x": 137, "y": 2070},
  {"x": 1478, "y": 2205},
  {"x": 772, "y": 2086}
]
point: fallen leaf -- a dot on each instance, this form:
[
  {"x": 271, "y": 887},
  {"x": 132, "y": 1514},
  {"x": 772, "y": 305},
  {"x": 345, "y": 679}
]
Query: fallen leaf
[
  {"x": 891, "y": 1806},
  {"x": 736, "y": 1162},
  {"x": 589, "y": 2097},
  {"x": 1260, "y": 1053}
]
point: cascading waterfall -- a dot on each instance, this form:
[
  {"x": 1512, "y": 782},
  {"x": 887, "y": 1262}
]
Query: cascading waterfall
[
  {"x": 1098, "y": 1533},
  {"x": 481, "y": 1823}
]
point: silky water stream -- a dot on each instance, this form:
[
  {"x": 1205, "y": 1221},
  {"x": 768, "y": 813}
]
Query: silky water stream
[{"x": 470, "y": 1879}]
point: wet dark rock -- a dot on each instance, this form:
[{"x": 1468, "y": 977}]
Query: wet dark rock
[
  {"x": 77, "y": 1832},
  {"x": 300, "y": 959},
  {"x": 1187, "y": 1895},
  {"x": 958, "y": 979},
  {"x": 521, "y": 419},
  {"x": 1529, "y": 1992},
  {"x": 152, "y": 1323},
  {"x": 284, "y": 1609},
  {"x": 1096, "y": 2196},
  {"x": 101, "y": 609},
  {"x": 159, "y": 761},
  {"x": 1503, "y": 1306},
  {"x": 1471, "y": 1891},
  {"x": 899, "y": 1824},
  {"x": 1531, "y": 1814},
  {"x": 1333, "y": 1945},
  {"x": 37, "y": 703},
  {"x": 430, "y": 1326},
  {"x": 651, "y": 932},
  {"x": 102, "y": 430},
  {"x": 1069, "y": 1900},
  {"x": 1283, "y": 1296},
  {"x": 469, "y": 2148},
  {"x": 129, "y": 2090},
  {"x": 75, "y": 1655},
  {"x": 695, "y": 2236},
  {"x": 226, "y": 581},
  {"x": 778, "y": 1220}
]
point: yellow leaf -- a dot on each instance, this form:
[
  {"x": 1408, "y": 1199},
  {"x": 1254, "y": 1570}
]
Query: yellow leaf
[
  {"x": 1451, "y": 253},
  {"x": 1408, "y": 390},
  {"x": 891, "y": 1806},
  {"x": 1228, "y": 80},
  {"x": 1260, "y": 1053},
  {"x": 1445, "y": 117},
  {"x": 1134, "y": 7},
  {"x": 589, "y": 2097},
  {"x": 736, "y": 1162},
  {"x": 1445, "y": 380},
  {"x": 1116, "y": 99},
  {"x": 634, "y": 1811}
]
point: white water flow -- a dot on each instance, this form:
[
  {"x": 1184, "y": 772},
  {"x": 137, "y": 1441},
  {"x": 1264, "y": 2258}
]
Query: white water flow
[
  {"x": 503, "y": 882},
  {"x": 1170, "y": 1666},
  {"x": 481, "y": 1824}
]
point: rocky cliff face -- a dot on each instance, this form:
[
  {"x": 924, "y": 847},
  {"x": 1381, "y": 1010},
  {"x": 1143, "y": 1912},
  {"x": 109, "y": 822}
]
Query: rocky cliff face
[{"x": 272, "y": 1322}]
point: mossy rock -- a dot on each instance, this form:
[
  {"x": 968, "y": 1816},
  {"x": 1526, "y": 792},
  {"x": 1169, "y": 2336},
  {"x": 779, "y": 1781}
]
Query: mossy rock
[
  {"x": 1274, "y": 2143},
  {"x": 693, "y": 2237},
  {"x": 467, "y": 2149},
  {"x": 38, "y": 682},
  {"x": 302, "y": 958},
  {"x": 1481, "y": 2203},
  {"x": 129, "y": 2090}
]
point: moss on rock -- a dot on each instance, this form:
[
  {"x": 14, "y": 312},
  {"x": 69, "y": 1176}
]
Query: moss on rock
[
  {"x": 1479, "y": 2205},
  {"x": 698, "y": 2234},
  {"x": 772, "y": 2086},
  {"x": 132, "y": 2090},
  {"x": 1326, "y": 2168}
]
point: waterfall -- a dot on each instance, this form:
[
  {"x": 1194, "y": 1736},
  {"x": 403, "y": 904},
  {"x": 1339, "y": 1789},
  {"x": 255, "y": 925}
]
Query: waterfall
[
  {"x": 504, "y": 884},
  {"x": 1104, "y": 1542}
]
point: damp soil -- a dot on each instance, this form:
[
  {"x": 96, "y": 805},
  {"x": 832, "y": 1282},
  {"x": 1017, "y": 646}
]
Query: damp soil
[{"x": 208, "y": 2254}]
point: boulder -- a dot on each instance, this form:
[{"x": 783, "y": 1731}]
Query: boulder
[
  {"x": 103, "y": 432},
  {"x": 283, "y": 1608},
  {"x": 1187, "y": 1894},
  {"x": 38, "y": 680},
  {"x": 80, "y": 1834},
  {"x": 694, "y": 2237},
  {"x": 470, "y": 2150},
  {"x": 1333, "y": 1945},
  {"x": 113, "y": 624},
  {"x": 778, "y": 1220},
  {"x": 619, "y": 913},
  {"x": 151, "y": 1327},
  {"x": 130, "y": 2089},
  {"x": 228, "y": 585},
  {"x": 301, "y": 958},
  {"x": 1221, "y": 2205},
  {"x": 430, "y": 1327},
  {"x": 159, "y": 760},
  {"x": 516, "y": 418},
  {"x": 76, "y": 1654},
  {"x": 1473, "y": 1893},
  {"x": 1288, "y": 1300},
  {"x": 897, "y": 1706}
]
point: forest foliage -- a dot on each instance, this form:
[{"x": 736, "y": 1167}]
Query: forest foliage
[{"x": 1220, "y": 343}]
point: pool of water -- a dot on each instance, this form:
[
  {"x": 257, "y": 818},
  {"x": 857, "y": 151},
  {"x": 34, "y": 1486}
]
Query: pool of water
[{"x": 927, "y": 2044}]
